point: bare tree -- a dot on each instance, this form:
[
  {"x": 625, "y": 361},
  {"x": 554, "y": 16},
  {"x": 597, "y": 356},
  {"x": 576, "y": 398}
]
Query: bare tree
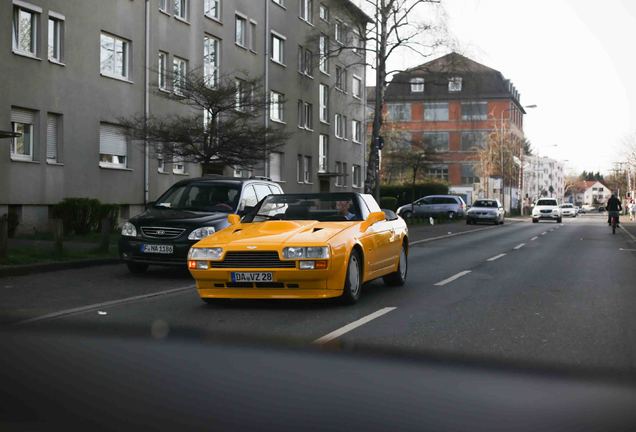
[{"x": 224, "y": 126}]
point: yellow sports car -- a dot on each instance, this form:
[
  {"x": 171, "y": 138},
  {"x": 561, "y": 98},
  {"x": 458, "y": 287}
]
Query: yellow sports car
[{"x": 302, "y": 246}]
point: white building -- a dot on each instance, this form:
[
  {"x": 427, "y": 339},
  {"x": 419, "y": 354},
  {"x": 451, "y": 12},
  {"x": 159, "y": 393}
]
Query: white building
[
  {"x": 590, "y": 192},
  {"x": 543, "y": 176}
]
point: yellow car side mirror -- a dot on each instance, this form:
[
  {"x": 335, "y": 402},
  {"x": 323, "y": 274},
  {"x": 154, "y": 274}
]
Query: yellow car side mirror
[
  {"x": 233, "y": 219},
  {"x": 373, "y": 218}
]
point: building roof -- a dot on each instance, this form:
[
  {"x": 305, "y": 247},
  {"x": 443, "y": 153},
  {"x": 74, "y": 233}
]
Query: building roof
[
  {"x": 584, "y": 185},
  {"x": 478, "y": 81}
]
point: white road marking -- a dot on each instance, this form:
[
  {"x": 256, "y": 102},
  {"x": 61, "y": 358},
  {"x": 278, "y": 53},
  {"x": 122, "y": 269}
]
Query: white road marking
[
  {"x": 496, "y": 257},
  {"x": 452, "y": 278},
  {"x": 519, "y": 246},
  {"x": 451, "y": 235},
  {"x": 352, "y": 326},
  {"x": 534, "y": 238},
  {"x": 630, "y": 250},
  {"x": 544, "y": 233},
  {"x": 103, "y": 305},
  {"x": 628, "y": 233}
]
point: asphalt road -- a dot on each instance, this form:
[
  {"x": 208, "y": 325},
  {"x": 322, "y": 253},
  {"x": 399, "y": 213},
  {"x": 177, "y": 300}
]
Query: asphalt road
[{"x": 558, "y": 294}]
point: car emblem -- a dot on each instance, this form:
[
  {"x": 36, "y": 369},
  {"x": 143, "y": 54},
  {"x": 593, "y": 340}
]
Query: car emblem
[
  {"x": 251, "y": 247},
  {"x": 160, "y": 232}
]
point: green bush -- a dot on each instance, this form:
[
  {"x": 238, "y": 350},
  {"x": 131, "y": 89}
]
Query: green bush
[
  {"x": 12, "y": 223},
  {"x": 404, "y": 193},
  {"x": 84, "y": 215},
  {"x": 388, "y": 202}
]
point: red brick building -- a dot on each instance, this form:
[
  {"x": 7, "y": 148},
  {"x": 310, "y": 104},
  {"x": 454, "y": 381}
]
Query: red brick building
[{"x": 448, "y": 107}]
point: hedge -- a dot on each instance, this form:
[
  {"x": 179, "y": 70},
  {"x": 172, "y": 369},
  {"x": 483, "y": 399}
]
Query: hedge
[{"x": 84, "y": 215}]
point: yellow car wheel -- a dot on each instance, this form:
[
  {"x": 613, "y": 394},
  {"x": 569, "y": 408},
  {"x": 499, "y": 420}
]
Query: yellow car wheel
[
  {"x": 353, "y": 281},
  {"x": 398, "y": 278}
]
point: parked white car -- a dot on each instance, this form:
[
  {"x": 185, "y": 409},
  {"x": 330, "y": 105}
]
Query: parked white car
[
  {"x": 568, "y": 210},
  {"x": 546, "y": 209}
]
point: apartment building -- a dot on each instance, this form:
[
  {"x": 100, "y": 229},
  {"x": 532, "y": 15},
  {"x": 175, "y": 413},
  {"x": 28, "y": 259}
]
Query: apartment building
[
  {"x": 449, "y": 107},
  {"x": 543, "y": 177},
  {"x": 71, "y": 70}
]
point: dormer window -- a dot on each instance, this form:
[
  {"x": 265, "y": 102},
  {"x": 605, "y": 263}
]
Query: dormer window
[
  {"x": 455, "y": 84},
  {"x": 417, "y": 85}
]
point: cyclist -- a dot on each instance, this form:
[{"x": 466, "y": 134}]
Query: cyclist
[{"x": 613, "y": 205}]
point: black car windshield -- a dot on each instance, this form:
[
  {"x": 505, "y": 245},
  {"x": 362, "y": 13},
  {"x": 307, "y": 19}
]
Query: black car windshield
[
  {"x": 205, "y": 197},
  {"x": 547, "y": 203},
  {"x": 482, "y": 203},
  {"x": 320, "y": 207}
]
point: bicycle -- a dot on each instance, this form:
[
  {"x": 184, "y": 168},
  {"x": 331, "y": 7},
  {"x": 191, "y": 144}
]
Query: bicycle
[{"x": 614, "y": 220}]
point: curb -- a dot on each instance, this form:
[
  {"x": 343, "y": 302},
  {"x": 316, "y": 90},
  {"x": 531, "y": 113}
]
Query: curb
[{"x": 22, "y": 270}]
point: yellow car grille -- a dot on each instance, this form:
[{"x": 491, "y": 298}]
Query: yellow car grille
[{"x": 237, "y": 259}]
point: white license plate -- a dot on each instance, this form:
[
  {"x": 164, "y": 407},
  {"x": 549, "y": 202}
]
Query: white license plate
[
  {"x": 158, "y": 249},
  {"x": 252, "y": 277}
]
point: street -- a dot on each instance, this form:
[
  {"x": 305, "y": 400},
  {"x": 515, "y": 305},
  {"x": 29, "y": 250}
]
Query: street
[{"x": 547, "y": 293}]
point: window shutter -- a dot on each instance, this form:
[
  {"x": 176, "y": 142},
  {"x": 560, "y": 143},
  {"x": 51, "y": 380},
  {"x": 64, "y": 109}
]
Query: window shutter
[
  {"x": 51, "y": 138},
  {"x": 22, "y": 116},
  {"x": 112, "y": 140}
]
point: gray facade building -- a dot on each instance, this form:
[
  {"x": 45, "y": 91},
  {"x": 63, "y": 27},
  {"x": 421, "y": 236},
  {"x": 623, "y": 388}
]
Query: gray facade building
[{"x": 72, "y": 68}]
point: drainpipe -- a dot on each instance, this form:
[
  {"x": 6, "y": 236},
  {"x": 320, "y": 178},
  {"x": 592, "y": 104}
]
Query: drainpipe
[
  {"x": 146, "y": 100},
  {"x": 266, "y": 87}
]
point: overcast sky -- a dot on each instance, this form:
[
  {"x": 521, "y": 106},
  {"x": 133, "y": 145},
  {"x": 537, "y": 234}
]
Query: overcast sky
[{"x": 574, "y": 59}]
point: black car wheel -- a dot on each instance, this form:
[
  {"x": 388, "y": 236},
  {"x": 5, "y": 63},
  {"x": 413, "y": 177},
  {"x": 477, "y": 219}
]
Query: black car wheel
[
  {"x": 137, "y": 268},
  {"x": 451, "y": 215},
  {"x": 353, "y": 280},
  {"x": 398, "y": 278},
  {"x": 407, "y": 214}
]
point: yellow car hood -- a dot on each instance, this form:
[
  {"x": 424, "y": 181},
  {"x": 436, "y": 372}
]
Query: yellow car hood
[{"x": 277, "y": 232}]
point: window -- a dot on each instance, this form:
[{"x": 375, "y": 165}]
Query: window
[
  {"x": 276, "y": 106},
  {"x": 323, "y": 12},
  {"x": 398, "y": 111},
  {"x": 323, "y": 150},
  {"x": 253, "y": 35},
  {"x": 474, "y": 140},
  {"x": 299, "y": 168},
  {"x": 338, "y": 31},
  {"x": 356, "y": 176},
  {"x": 55, "y": 39},
  {"x": 339, "y": 174},
  {"x": 305, "y": 115},
  {"x": 356, "y": 43},
  {"x": 242, "y": 95},
  {"x": 323, "y": 91},
  {"x": 179, "y": 72},
  {"x": 417, "y": 85},
  {"x": 178, "y": 167},
  {"x": 211, "y": 61},
  {"x": 163, "y": 5},
  {"x": 278, "y": 45},
  {"x": 306, "y": 10},
  {"x": 212, "y": 8},
  {"x": 163, "y": 70},
  {"x": 344, "y": 174},
  {"x": 114, "y": 56},
  {"x": 25, "y": 31},
  {"x": 305, "y": 61},
  {"x": 181, "y": 9},
  {"x": 435, "y": 141},
  {"x": 341, "y": 78},
  {"x": 22, "y": 122},
  {"x": 468, "y": 174},
  {"x": 240, "y": 36},
  {"x": 161, "y": 163},
  {"x": 307, "y": 169},
  {"x": 474, "y": 110},
  {"x": 52, "y": 137},
  {"x": 339, "y": 126},
  {"x": 436, "y": 111},
  {"x": 437, "y": 171},
  {"x": 455, "y": 84},
  {"x": 113, "y": 146},
  {"x": 323, "y": 45},
  {"x": 356, "y": 131},
  {"x": 356, "y": 87},
  {"x": 275, "y": 166}
]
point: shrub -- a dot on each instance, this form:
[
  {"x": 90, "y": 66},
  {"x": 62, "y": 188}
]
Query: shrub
[
  {"x": 12, "y": 223},
  {"x": 110, "y": 211},
  {"x": 404, "y": 193},
  {"x": 84, "y": 215},
  {"x": 388, "y": 202}
]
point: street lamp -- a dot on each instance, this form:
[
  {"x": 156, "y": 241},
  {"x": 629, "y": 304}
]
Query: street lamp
[{"x": 501, "y": 141}]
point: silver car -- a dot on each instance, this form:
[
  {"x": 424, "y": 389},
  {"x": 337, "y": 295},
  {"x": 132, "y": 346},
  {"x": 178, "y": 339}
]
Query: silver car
[
  {"x": 450, "y": 206},
  {"x": 486, "y": 210}
]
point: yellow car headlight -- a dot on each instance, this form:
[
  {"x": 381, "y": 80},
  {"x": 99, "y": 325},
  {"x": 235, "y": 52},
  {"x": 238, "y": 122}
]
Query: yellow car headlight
[
  {"x": 205, "y": 253},
  {"x": 300, "y": 252}
]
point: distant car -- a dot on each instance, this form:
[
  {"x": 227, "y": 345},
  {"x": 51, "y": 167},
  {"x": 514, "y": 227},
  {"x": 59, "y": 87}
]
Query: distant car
[
  {"x": 577, "y": 209},
  {"x": 587, "y": 209},
  {"x": 546, "y": 209},
  {"x": 450, "y": 206},
  {"x": 486, "y": 210},
  {"x": 601, "y": 209},
  {"x": 568, "y": 210},
  {"x": 187, "y": 212}
]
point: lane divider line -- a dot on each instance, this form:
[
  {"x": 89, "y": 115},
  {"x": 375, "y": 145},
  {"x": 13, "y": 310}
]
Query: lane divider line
[
  {"x": 88, "y": 308},
  {"x": 496, "y": 257},
  {"x": 452, "y": 235},
  {"x": 519, "y": 246},
  {"x": 544, "y": 233},
  {"x": 534, "y": 238},
  {"x": 452, "y": 278},
  {"x": 627, "y": 232},
  {"x": 352, "y": 326}
]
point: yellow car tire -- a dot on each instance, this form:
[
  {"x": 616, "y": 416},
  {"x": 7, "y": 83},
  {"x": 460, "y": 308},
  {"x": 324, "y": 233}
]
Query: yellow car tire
[
  {"x": 353, "y": 280},
  {"x": 398, "y": 278}
]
